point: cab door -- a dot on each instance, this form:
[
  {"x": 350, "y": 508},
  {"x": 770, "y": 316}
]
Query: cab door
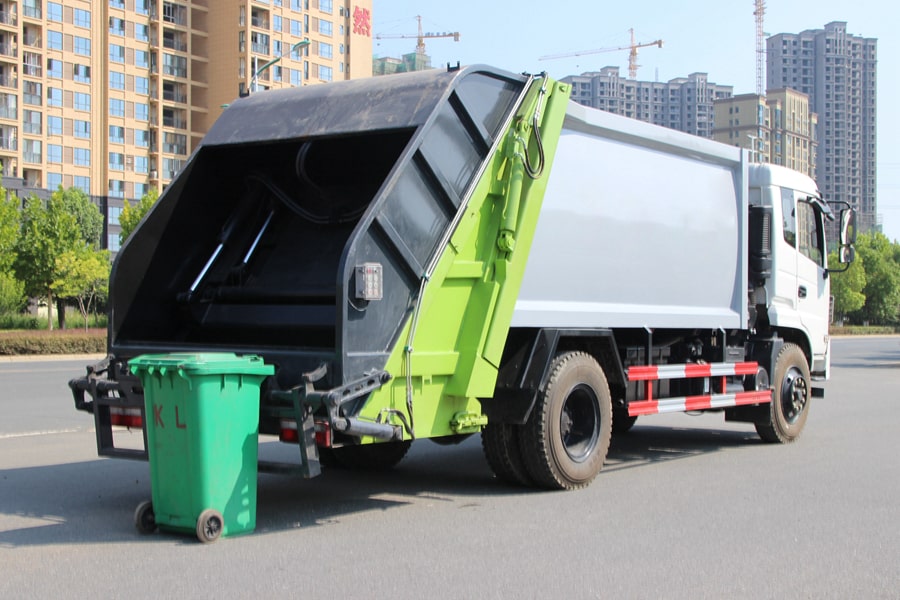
[{"x": 813, "y": 290}]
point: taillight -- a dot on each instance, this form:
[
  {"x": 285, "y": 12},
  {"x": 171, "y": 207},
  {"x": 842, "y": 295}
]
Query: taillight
[
  {"x": 288, "y": 432},
  {"x": 126, "y": 417}
]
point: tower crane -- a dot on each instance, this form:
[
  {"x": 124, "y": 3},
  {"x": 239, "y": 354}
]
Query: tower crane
[
  {"x": 632, "y": 56},
  {"x": 759, "y": 12},
  {"x": 420, "y": 36}
]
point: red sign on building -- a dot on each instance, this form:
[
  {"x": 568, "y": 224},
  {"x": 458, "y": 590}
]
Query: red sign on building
[{"x": 362, "y": 21}]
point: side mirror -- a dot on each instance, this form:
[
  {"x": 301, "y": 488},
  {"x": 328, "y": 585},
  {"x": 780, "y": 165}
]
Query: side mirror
[
  {"x": 848, "y": 228},
  {"x": 847, "y": 254}
]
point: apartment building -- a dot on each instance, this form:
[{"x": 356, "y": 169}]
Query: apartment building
[
  {"x": 837, "y": 70},
  {"x": 777, "y": 128},
  {"x": 683, "y": 103},
  {"x": 112, "y": 96}
]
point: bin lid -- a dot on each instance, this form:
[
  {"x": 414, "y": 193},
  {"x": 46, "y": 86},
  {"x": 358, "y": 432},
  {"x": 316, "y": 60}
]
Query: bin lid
[{"x": 204, "y": 363}]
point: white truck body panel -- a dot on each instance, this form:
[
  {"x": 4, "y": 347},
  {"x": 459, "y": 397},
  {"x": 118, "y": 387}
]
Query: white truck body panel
[{"x": 650, "y": 224}]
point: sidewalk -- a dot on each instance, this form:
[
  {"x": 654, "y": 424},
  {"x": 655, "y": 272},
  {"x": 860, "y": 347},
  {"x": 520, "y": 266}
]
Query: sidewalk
[{"x": 87, "y": 358}]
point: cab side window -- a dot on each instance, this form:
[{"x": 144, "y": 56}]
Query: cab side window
[
  {"x": 808, "y": 239},
  {"x": 790, "y": 216}
]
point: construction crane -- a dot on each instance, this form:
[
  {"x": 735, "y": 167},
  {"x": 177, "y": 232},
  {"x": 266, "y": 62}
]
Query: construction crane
[
  {"x": 759, "y": 12},
  {"x": 420, "y": 37},
  {"x": 632, "y": 57}
]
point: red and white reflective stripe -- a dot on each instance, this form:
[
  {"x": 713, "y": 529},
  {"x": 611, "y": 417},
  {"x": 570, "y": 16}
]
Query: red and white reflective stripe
[
  {"x": 690, "y": 370},
  {"x": 668, "y": 405},
  {"x": 125, "y": 417}
]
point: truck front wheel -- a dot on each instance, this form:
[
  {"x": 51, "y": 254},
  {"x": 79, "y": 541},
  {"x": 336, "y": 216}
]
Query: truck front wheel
[
  {"x": 566, "y": 438},
  {"x": 790, "y": 401}
]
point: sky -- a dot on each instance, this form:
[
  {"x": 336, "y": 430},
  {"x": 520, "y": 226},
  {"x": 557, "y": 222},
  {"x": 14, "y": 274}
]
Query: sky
[{"x": 716, "y": 37}]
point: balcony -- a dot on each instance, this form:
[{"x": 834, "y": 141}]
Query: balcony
[
  {"x": 8, "y": 49},
  {"x": 8, "y": 18},
  {"x": 175, "y": 71},
  {"x": 8, "y": 143},
  {"x": 174, "y": 122},
  {"x": 32, "y": 12}
]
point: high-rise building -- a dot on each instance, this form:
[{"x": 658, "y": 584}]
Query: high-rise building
[
  {"x": 112, "y": 96},
  {"x": 777, "y": 128},
  {"x": 684, "y": 103},
  {"x": 837, "y": 71}
]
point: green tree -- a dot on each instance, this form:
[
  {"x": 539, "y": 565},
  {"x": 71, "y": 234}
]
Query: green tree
[
  {"x": 882, "y": 288},
  {"x": 90, "y": 227},
  {"x": 82, "y": 273},
  {"x": 86, "y": 213},
  {"x": 9, "y": 230},
  {"x": 847, "y": 287},
  {"x": 47, "y": 232},
  {"x": 12, "y": 294},
  {"x": 132, "y": 215}
]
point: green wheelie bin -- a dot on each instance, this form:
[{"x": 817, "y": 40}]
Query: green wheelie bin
[{"x": 202, "y": 414}]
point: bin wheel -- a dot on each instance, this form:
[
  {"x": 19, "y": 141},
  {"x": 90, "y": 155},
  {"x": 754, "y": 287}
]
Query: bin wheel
[
  {"x": 209, "y": 526},
  {"x": 144, "y": 519}
]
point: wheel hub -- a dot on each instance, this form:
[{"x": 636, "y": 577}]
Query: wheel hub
[
  {"x": 794, "y": 395},
  {"x": 579, "y": 423}
]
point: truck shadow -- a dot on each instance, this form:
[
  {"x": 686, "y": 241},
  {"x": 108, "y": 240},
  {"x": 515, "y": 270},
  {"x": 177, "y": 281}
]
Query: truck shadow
[{"x": 93, "y": 502}]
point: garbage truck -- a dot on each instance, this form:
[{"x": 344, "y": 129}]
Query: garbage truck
[{"x": 467, "y": 251}]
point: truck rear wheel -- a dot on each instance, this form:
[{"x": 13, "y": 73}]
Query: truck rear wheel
[
  {"x": 371, "y": 457},
  {"x": 790, "y": 401},
  {"x": 566, "y": 438},
  {"x": 500, "y": 442}
]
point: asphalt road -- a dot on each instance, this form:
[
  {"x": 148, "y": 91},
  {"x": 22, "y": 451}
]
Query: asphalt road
[{"x": 687, "y": 507}]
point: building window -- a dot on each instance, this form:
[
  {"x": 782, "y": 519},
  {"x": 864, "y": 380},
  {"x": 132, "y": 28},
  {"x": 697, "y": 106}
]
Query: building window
[
  {"x": 116, "y": 190},
  {"x": 325, "y": 50},
  {"x": 277, "y": 23},
  {"x": 31, "y": 122},
  {"x": 116, "y": 134},
  {"x": 54, "y": 96},
  {"x": 141, "y": 32},
  {"x": 325, "y": 6},
  {"x": 296, "y": 28},
  {"x": 175, "y": 65},
  {"x": 54, "y": 40},
  {"x": 113, "y": 214},
  {"x": 325, "y": 73},
  {"x": 142, "y": 7},
  {"x": 116, "y": 53},
  {"x": 116, "y": 26},
  {"x": 141, "y": 138},
  {"x": 81, "y": 73},
  {"x": 113, "y": 243},
  {"x": 82, "y": 18},
  {"x": 116, "y": 107},
  {"x": 325, "y": 27},
  {"x": 116, "y": 80},
  {"x": 54, "y": 153},
  {"x": 141, "y": 111},
  {"x": 140, "y": 189},
  {"x": 54, "y": 125},
  {"x": 82, "y": 157},
  {"x": 141, "y": 58},
  {"x": 141, "y": 165},
  {"x": 82, "y": 101},
  {"x": 117, "y": 3},
  {"x": 54, "y": 12},
  {"x": 82, "y": 129},
  {"x": 54, "y": 68},
  {"x": 296, "y": 5},
  {"x": 54, "y": 180},
  {"x": 141, "y": 85},
  {"x": 82, "y": 183},
  {"x": 31, "y": 151}
]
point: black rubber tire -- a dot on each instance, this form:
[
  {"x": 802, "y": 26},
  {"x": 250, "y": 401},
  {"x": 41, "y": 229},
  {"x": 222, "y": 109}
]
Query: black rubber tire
[
  {"x": 566, "y": 438},
  {"x": 209, "y": 526},
  {"x": 500, "y": 442},
  {"x": 789, "y": 408},
  {"x": 144, "y": 518},
  {"x": 371, "y": 457}
]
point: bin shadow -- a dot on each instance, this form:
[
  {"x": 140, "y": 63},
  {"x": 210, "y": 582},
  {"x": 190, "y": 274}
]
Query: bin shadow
[{"x": 93, "y": 502}]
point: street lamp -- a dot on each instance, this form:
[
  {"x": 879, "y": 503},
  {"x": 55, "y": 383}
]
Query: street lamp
[{"x": 254, "y": 82}]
